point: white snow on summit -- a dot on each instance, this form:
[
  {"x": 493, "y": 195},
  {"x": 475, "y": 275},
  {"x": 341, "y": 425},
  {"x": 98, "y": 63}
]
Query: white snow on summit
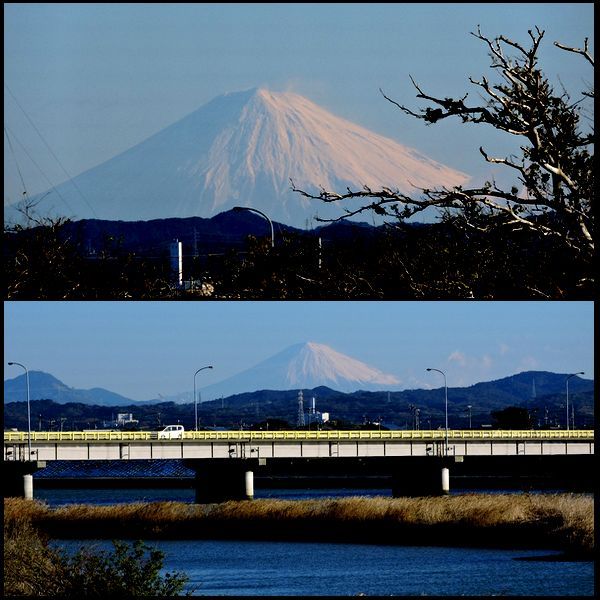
[
  {"x": 242, "y": 149},
  {"x": 305, "y": 366},
  {"x": 317, "y": 362}
]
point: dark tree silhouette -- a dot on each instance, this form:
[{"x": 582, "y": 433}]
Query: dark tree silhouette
[{"x": 553, "y": 190}]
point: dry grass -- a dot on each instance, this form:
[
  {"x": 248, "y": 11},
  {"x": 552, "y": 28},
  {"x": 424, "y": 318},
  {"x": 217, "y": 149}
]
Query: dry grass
[
  {"x": 29, "y": 568},
  {"x": 563, "y": 521}
]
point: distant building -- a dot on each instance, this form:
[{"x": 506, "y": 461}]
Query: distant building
[
  {"x": 122, "y": 420},
  {"x": 314, "y": 416}
]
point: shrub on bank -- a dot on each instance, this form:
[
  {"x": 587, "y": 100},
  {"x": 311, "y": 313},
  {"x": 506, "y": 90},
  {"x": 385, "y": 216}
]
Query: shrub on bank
[{"x": 32, "y": 568}]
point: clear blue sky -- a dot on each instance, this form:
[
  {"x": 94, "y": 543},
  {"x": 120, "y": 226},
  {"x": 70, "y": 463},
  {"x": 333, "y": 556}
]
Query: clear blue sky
[
  {"x": 142, "y": 349},
  {"x": 96, "y": 79}
]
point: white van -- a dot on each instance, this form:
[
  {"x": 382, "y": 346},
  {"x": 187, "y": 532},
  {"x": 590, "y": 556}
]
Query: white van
[{"x": 171, "y": 432}]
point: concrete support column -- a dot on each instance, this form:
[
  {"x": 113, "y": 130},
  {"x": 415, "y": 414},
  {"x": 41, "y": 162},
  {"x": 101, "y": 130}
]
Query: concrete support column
[
  {"x": 445, "y": 480},
  {"x": 17, "y": 477},
  {"x": 220, "y": 480},
  {"x": 28, "y": 486},
  {"x": 249, "y": 484},
  {"x": 420, "y": 477}
]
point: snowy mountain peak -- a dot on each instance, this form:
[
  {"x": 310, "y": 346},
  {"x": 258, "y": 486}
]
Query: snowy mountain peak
[
  {"x": 318, "y": 362},
  {"x": 305, "y": 366},
  {"x": 243, "y": 148}
]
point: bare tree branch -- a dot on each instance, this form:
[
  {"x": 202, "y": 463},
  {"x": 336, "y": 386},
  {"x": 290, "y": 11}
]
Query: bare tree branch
[
  {"x": 584, "y": 52},
  {"x": 554, "y": 170}
]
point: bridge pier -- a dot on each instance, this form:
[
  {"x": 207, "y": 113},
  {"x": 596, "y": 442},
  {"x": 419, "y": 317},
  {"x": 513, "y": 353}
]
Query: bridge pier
[
  {"x": 220, "y": 480},
  {"x": 17, "y": 478},
  {"x": 445, "y": 480},
  {"x": 421, "y": 477}
]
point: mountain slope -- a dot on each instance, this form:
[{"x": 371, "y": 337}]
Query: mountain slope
[
  {"x": 242, "y": 149},
  {"x": 45, "y": 386},
  {"x": 307, "y": 365}
]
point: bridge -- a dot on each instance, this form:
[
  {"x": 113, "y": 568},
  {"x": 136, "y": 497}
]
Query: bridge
[{"x": 224, "y": 461}]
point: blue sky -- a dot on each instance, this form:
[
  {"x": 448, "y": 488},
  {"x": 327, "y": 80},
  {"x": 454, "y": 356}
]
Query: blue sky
[
  {"x": 142, "y": 349},
  {"x": 96, "y": 79}
]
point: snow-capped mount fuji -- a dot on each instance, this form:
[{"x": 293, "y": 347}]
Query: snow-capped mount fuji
[
  {"x": 243, "y": 148},
  {"x": 304, "y": 366}
]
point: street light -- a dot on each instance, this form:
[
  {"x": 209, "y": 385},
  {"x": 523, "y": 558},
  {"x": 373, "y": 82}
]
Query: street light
[
  {"x": 195, "y": 403},
  {"x": 262, "y": 214},
  {"x": 446, "y": 395},
  {"x": 469, "y": 409},
  {"x": 28, "y": 407},
  {"x": 567, "y": 382}
]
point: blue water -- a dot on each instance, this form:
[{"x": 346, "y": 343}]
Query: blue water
[
  {"x": 247, "y": 568},
  {"x": 258, "y": 568}
]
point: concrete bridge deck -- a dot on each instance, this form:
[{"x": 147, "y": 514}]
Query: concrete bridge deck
[
  {"x": 123, "y": 445},
  {"x": 224, "y": 461}
]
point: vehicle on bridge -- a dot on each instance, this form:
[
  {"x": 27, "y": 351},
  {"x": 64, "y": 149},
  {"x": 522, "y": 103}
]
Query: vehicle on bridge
[{"x": 171, "y": 432}]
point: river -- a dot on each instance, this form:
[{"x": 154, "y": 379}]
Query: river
[
  {"x": 247, "y": 568},
  {"x": 258, "y": 568}
]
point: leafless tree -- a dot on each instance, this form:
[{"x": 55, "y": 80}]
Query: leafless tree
[{"x": 553, "y": 191}]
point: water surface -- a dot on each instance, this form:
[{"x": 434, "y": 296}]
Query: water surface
[{"x": 253, "y": 568}]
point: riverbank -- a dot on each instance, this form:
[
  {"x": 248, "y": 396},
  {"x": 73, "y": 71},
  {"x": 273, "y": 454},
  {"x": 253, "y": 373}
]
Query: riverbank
[{"x": 563, "y": 522}]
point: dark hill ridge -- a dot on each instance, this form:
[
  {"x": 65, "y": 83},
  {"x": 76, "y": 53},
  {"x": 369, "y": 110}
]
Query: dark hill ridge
[
  {"x": 358, "y": 407},
  {"x": 219, "y": 234}
]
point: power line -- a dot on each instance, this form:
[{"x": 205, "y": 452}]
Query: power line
[
  {"x": 16, "y": 162},
  {"x": 70, "y": 178},
  {"x": 38, "y": 167}
]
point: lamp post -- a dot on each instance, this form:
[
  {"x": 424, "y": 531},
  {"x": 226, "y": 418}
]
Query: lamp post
[
  {"x": 446, "y": 396},
  {"x": 262, "y": 214},
  {"x": 195, "y": 402},
  {"x": 28, "y": 408},
  {"x": 567, "y": 383},
  {"x": 469, "y": 409}
]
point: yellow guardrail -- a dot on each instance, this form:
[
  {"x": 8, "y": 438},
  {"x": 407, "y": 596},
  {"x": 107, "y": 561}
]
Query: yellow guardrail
[{"x": 210, "y": 436}]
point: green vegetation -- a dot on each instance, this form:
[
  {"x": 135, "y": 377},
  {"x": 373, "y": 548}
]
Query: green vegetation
[
  {"x": 33, "y": 568},
  {"x": 557, "y": 521}
]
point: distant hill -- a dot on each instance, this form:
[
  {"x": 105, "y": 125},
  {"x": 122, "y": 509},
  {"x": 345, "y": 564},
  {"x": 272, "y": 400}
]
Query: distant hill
[
  {"x": 219, "y": 234},
  {"x": 45, "y": 386},
  {"x": 395, "y": 409}
]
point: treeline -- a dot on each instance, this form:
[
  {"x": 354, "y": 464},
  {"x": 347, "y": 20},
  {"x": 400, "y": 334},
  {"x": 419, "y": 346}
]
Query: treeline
[
  {"x": 271, "y": 410},
  {"x": 400, "y": 261}
]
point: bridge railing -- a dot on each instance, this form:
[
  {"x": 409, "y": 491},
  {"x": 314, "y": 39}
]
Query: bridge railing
[{"x": 335, "y": 435}]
